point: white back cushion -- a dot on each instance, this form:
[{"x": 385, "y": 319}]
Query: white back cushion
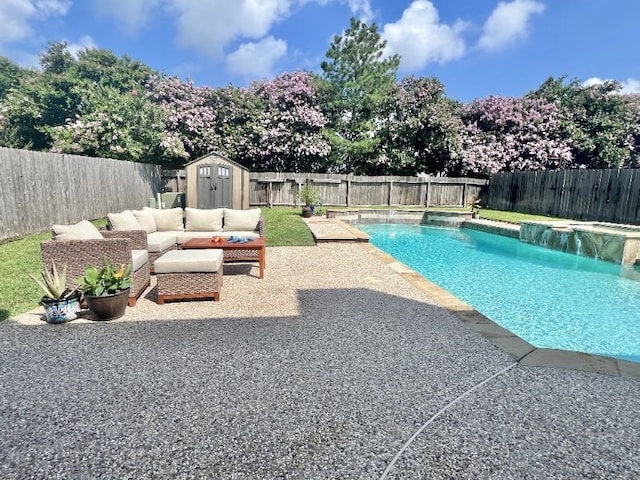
[
  {"x": 83, "y": 230},
  {"x": 123, "y": 221},
  {"x": 168, "y": 219},
  {"x": 145, "y": 219},
  {"x": 204, "y": 220},
  {"x": 241, "y": 219}
]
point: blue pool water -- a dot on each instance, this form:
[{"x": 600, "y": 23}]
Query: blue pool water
[{"x": 550, "y": 299}]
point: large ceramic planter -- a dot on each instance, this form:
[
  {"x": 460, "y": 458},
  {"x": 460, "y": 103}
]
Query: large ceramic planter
[
  {"x": 60, "y": 311},
  {"x": 307, "y": 212},
  {"x": 108, "y": 307}
]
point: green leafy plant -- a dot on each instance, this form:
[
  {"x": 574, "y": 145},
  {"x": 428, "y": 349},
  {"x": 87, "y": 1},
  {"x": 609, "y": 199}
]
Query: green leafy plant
[
  {"x": 54, "y": 284},
  {"x": 308, "y": 195},
  {"x": 106, "y": 281}
]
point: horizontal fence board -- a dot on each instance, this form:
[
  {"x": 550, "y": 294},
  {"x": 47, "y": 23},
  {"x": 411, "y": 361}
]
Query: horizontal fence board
[{"x": 606, "y": 195}]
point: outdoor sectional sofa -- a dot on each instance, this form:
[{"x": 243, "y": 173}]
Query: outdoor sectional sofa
[
  {"x": 167, "y": 229},
  {"x": 81, "y": 245}
]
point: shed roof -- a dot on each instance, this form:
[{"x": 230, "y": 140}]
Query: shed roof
[{"x": 219, "y": 155}]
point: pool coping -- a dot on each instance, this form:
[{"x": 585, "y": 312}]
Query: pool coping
[{"x": 522, "y": 351}]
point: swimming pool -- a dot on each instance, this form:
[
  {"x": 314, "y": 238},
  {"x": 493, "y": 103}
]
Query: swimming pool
[{"x": 548, "y": 298}]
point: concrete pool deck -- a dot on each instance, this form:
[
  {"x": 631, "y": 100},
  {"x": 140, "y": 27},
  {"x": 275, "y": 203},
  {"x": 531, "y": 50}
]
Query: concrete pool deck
[{"x": 332, "y": 366}]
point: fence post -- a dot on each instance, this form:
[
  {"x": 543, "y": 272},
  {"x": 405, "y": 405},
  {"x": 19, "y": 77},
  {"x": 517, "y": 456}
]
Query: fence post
[{"x": 427, "y": 193}]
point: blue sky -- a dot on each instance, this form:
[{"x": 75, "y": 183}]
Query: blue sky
[{"x": 475, "y": 47}]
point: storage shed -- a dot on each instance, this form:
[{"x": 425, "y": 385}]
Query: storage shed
[{"x": 214, "y": 181}]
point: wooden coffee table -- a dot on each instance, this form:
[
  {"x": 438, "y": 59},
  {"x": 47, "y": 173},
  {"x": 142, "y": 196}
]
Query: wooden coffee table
[{"x": 251, "y": 251}]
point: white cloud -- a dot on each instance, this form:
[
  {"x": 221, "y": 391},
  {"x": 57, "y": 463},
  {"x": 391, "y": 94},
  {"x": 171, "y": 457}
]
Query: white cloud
[
  {"x": 590, "y": 82},
  {"x": 361, "y": 9},
  {"x": 631, "y": 85},
  {"x": 83, "y": 43},
  {"x": 419, "y": 37},
  {"x": 508, "y": 23},
  {"x": 131, "y": 14},
  {"x": 16, "y": 16},
  {"x": 211, "y": 26},
  {"x": 256, "y": 59}
]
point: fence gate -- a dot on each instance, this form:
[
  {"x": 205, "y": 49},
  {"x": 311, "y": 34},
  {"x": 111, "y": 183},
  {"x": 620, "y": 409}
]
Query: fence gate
[{"x": 214, "y": 186}]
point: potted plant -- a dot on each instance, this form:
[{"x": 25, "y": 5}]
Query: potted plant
[
  {"x": 106, "y": 290},
  {"x": 308, "y": 197},
  {"x": 61, "y": 304},
  {"x": 475, "y": 206}
]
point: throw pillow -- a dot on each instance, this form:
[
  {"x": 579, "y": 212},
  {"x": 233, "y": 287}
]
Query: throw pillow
[
  {"x": 238, "y": 220},
  {"x": 204, "y": 220},
  {"x": 168, "y": 219},
  {"x": 123, "y": 221},
  {"x": 83, "y": 230},
  {"x": 145, "y": 219}
]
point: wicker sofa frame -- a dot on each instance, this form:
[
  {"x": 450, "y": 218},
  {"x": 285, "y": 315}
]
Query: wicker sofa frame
[
  {"x": 229, "y": 256},
  {"x": 115, "y": 247}
]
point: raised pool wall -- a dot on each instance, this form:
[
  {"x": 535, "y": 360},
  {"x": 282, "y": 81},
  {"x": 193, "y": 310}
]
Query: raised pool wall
[
  {"x": 412, "y": 217},
  {"x": 603, "y": 241}
]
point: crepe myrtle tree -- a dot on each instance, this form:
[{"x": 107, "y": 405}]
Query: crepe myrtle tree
[
  {"x": 289, "y": 135},
  {"x": 201, "y": 119},
  {"x": 508, "y": 134},
  {"x": 422, "y": 129},
  {"x": 114, "y": 125},
  {"x": 598, "y": 120}
]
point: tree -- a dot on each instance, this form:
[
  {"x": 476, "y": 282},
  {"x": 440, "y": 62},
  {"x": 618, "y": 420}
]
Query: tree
[
  {"x": 423, "y": 128},
  {"x": 595, "y": 118},
  {"x": 10, "y": 75},
  {"x": 200, "y": 119},
  {"x": 508, "y": 134},
  {"x": 357, "y": 84},
  {"x": 289, "y": 134},
  {"x": 114, "y": 125},
  {"x": 94, "y": 105}
]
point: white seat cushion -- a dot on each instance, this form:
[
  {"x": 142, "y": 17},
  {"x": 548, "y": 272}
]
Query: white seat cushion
[
  {"x": 159, "y": 241},
  {"x": 188, "y": 261},
  {"x": 138, "y": 259}
]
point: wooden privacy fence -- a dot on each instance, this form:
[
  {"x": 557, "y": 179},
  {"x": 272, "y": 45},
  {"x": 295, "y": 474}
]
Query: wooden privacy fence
[
  {"x": 39, "y": 189},
  {"x": 267, "y": 189},
  {"x": 598, "y": 195}
]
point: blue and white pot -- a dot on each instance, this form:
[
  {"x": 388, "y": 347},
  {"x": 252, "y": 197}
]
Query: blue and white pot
[{"x": 61, "y": 310}]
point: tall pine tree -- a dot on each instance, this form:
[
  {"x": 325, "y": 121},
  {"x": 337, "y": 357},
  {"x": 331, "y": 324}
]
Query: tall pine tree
[{"x": 357, "y": 80}]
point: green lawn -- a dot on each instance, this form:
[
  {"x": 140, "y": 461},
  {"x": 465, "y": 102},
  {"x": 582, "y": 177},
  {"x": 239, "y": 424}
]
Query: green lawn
[{"x": 284, "y": 227}]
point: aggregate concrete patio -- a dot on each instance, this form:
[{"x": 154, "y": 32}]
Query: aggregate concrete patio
[{"x": 334, "y": 366}]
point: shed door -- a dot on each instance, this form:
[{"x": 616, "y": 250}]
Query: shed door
[{"x": 214, "y": 186}]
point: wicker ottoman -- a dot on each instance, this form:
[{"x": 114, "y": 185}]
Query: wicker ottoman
[{"x": 187, "y": 274}]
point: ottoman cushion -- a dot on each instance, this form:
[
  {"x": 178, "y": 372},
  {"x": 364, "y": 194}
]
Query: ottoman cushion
[{"x": 186, "y": 261}]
